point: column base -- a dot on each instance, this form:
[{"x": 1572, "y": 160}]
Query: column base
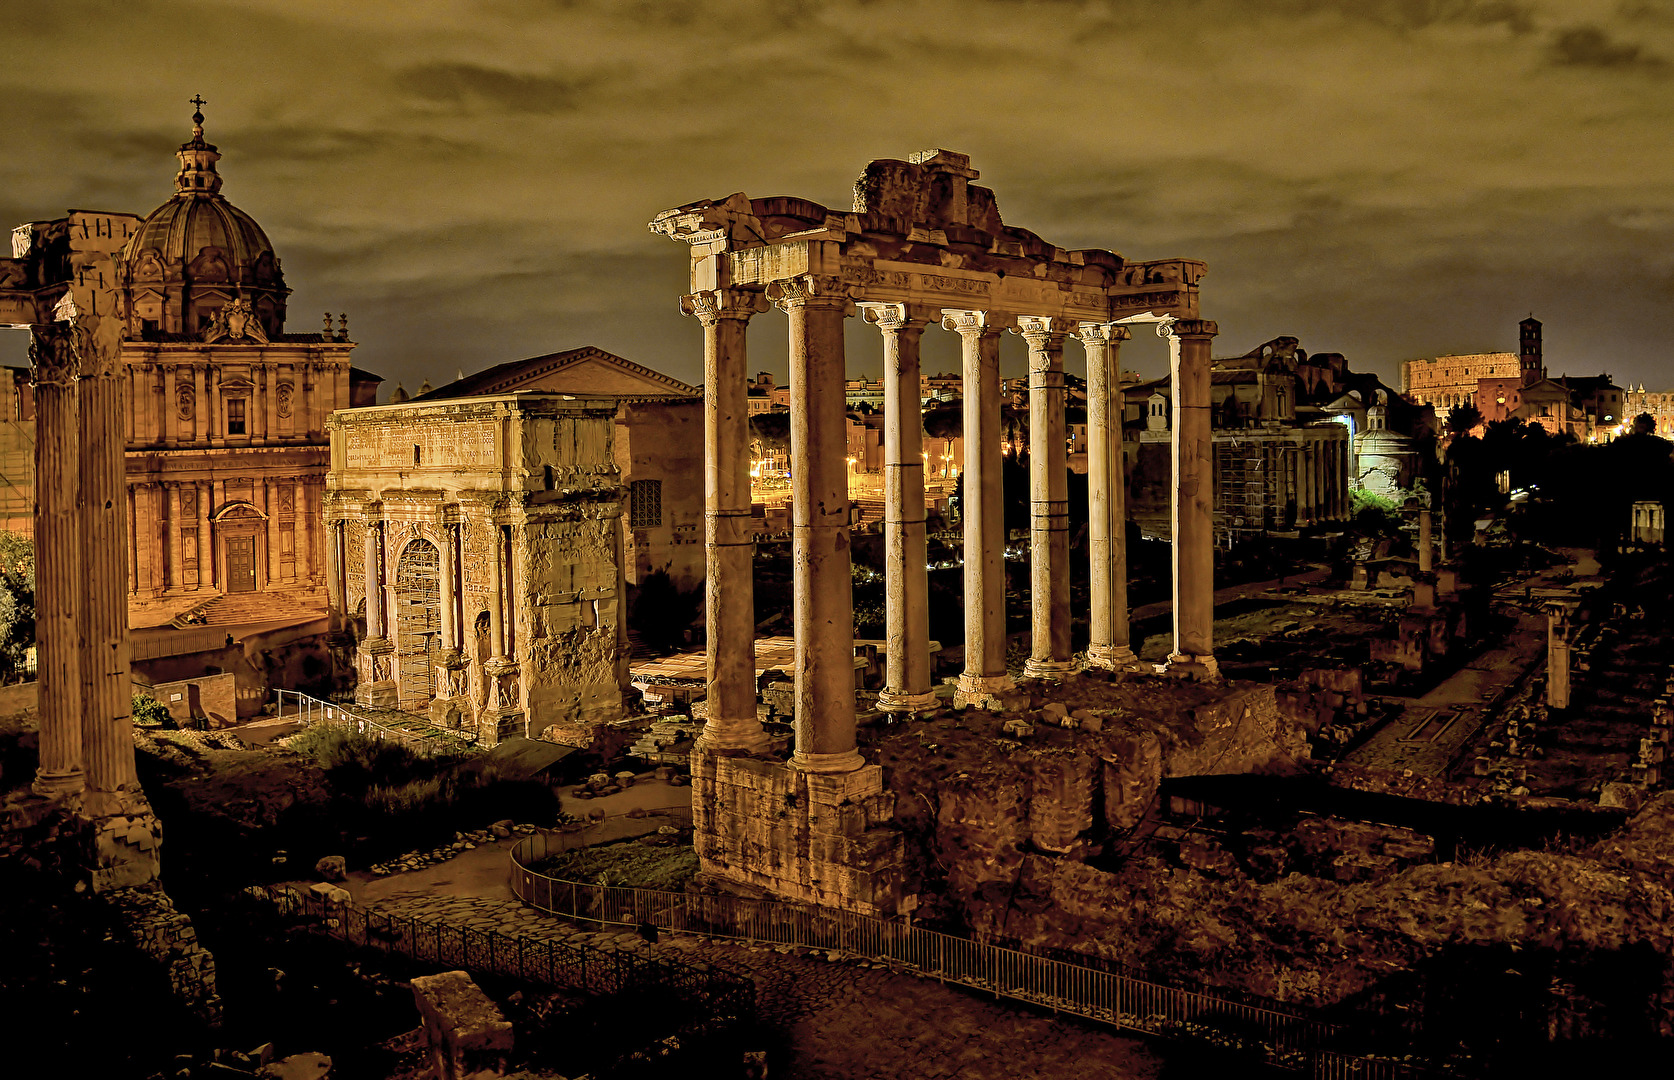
[
  {"x": 1047, "y": 669},
  {"x": 51, "y": 785},
  {"x": 378, "y": 695},
  {"x": 122, "y": 836},
  {"x": 1113, "y": 658},
  {"x": 728, "y": 736},
  {"x": 1187, "y": 666},
  {"x": 846, "y": 762},
  {"x": 980, "y": 690},
  {"x": 896, "y": 701}
]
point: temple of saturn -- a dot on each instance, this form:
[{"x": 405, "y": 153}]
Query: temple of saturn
[
  {"x": 60, "y": 285},
  {"x": 921, "y": 246}
]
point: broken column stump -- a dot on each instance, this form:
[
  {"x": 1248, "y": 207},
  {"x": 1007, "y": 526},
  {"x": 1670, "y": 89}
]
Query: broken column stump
[{"x": 468, "y": 1036}]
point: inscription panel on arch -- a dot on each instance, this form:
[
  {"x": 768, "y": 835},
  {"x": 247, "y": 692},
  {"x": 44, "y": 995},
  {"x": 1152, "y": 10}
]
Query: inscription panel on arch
[{"x": 438, "y": 443}]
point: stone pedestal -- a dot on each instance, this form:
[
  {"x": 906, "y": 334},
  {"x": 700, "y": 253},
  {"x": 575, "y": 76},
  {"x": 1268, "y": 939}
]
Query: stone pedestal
[
  {"x": 376, "y": 664},
  {"x": 817, "y": 838},
  {"x": 469, "y": 1038},
  {"x": 450, "y": 706},
  {"x": 504, "y": 718}
]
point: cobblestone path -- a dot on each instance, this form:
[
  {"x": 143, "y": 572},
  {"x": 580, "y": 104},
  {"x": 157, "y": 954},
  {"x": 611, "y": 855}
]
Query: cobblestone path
[{"x": 851, "y": 1020}]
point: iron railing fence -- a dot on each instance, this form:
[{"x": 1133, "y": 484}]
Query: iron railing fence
[
  {"x": 416, "y": 734},
  {"x": 1289, "y": 1038},
  {"x": 721, "y": 1001}
]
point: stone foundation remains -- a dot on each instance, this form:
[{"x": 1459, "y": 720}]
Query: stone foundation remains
[{"x": 819, "y": 838}]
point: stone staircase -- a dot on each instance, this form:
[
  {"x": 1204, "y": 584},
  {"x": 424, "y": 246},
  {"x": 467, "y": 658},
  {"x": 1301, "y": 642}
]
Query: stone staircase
[{"x": 233, "y": 609}]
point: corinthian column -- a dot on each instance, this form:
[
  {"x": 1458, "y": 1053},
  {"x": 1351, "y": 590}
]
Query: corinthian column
[
  {"x": 1048, "y": 501},
  {"x": 374, "y": 586},
  {"x": 906, "y": 581},
  {"x": 1193, "y": 539},
  {"x": 56, "y": 360},
  {"x": 1107, "y": 528},
  {"x": 824, "y": 603},
  {"x": 729, "y": 542},
  {"x": 107, "y": 745},
  {"x": 983, "y": 510}
]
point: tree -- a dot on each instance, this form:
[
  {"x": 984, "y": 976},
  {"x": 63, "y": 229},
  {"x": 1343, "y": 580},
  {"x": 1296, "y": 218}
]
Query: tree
[
  {"x": 1462, "y": 419},
  {"x": 17, "y": 604},
  {"x": 1644, "y": 424}
]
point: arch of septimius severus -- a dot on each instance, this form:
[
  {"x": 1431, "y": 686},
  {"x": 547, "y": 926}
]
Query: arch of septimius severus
[{"x": 921, "y": 246}]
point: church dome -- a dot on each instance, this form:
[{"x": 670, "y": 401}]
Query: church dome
[{"x": 196, "y": 253}]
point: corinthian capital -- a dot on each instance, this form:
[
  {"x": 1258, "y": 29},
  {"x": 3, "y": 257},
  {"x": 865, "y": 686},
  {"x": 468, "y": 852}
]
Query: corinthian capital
[
  {"x": 896, "y": 317},
  {"x": 713, "y": 304},
  {"x": 1102, "y": 333},
  {"x": 56, "y": 353},
  {"x": 809, "y": 290},
  {"x": 1042, "y": 331},
  {"x": 1189, "y": 328},
  {"x": 981, "y": 323}
]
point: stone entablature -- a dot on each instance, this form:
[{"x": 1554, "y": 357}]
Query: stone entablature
[{"x": 491, "y": 559}]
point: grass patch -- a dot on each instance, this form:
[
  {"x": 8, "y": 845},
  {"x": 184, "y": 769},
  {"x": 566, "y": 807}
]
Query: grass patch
[
  {"x": 389, "y": 799},
  {"x": 642, "y": 866}
]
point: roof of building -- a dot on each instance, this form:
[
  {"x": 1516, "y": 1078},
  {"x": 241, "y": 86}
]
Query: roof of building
[{"x": 587, "y": 370}]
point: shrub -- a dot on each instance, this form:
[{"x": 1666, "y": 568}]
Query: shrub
[{"x": 150, "y": 713}]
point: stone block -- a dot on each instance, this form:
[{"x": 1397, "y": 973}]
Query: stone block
[
  {"x": 331, "y": 868},
  {"x": 467, "y": 1034},
  {"x": 332, "y": 894},
  {"x": 297, "y": 1067}
]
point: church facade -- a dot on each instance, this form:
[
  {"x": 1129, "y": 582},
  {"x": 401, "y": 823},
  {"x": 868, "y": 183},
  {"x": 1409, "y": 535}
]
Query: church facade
[{"x": 224, "y": 411}]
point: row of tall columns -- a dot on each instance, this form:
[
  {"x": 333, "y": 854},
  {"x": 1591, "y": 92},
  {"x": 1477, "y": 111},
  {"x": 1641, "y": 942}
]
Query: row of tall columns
[
  {"x": 82, "y": 558},
  {"x": 823, "y": 612},
  {"x": 1108, "y": 645},
  {"x": 1320, "y": 474}
]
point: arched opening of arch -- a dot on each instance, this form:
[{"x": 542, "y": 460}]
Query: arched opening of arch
[{"x": 418, "y": 622}]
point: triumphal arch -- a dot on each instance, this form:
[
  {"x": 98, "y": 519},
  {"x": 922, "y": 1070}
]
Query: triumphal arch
[
  {"x": 922, "y": 246},
  {"x": 477, "y": 544}
]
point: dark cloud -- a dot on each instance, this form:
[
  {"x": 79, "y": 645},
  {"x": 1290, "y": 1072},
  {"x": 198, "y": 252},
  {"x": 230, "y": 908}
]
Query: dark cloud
[
  {"x": 1590, "y": 46},
  {"x": 465, "y": 85}
]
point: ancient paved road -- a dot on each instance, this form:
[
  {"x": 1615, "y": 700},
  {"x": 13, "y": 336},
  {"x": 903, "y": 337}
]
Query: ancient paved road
[{"x": 849, "y": 1021}]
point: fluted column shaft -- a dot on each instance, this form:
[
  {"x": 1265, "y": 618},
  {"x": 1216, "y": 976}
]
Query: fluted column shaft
[
  {"x": 1107, "y": 530},
  {"x": 176, "y": 542},
  {"x": 107, "y": 744},
  {"x": 58, "y": 591},
  {"x": 984, "y": 508},
  {"x": 1426, "y": 544},
  {"x": 1048, "y": 500},
  {"x": 372, "y": 550},
  {"x": 729, "y": 540},
  {"x": 907, "y": 686},
  {"x": 1193, "y": 502},
  {"x": 824, "y": 602}
]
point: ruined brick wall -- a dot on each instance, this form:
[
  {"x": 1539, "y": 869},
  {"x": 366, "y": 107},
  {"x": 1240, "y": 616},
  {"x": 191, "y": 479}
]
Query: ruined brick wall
[
  {"x": 815, "y": 838},
  {"x": 153, "y": 926}
]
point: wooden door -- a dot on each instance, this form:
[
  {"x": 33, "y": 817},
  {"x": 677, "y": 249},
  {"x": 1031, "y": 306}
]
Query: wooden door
[{"x": 241, "y": 564}]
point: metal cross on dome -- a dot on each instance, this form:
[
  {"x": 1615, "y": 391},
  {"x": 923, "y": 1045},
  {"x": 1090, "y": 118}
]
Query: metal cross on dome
[{"x": 197, "y": 99}]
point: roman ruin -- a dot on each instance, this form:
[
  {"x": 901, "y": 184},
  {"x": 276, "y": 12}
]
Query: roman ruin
[
  {"x": 922, "y": 245},
  {"x": 476, "y": 551}
]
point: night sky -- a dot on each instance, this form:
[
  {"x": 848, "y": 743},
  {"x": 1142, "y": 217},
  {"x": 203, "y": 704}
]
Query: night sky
[{"x": 471, "y": 182}]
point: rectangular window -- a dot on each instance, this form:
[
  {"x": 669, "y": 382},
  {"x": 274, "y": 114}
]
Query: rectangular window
[
  {"x": 235, "y": 416},
  {"x": 645, "y": 504}
]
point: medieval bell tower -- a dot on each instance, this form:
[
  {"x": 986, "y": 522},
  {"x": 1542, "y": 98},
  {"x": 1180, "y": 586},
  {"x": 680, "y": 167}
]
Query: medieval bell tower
[{"x": 1528, "y": 351}]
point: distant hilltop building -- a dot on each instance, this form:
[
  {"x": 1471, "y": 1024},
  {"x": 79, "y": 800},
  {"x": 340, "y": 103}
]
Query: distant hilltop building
[
  {"x": 1503, "y": 386},
  {"x": 1447, "y": 381}
]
